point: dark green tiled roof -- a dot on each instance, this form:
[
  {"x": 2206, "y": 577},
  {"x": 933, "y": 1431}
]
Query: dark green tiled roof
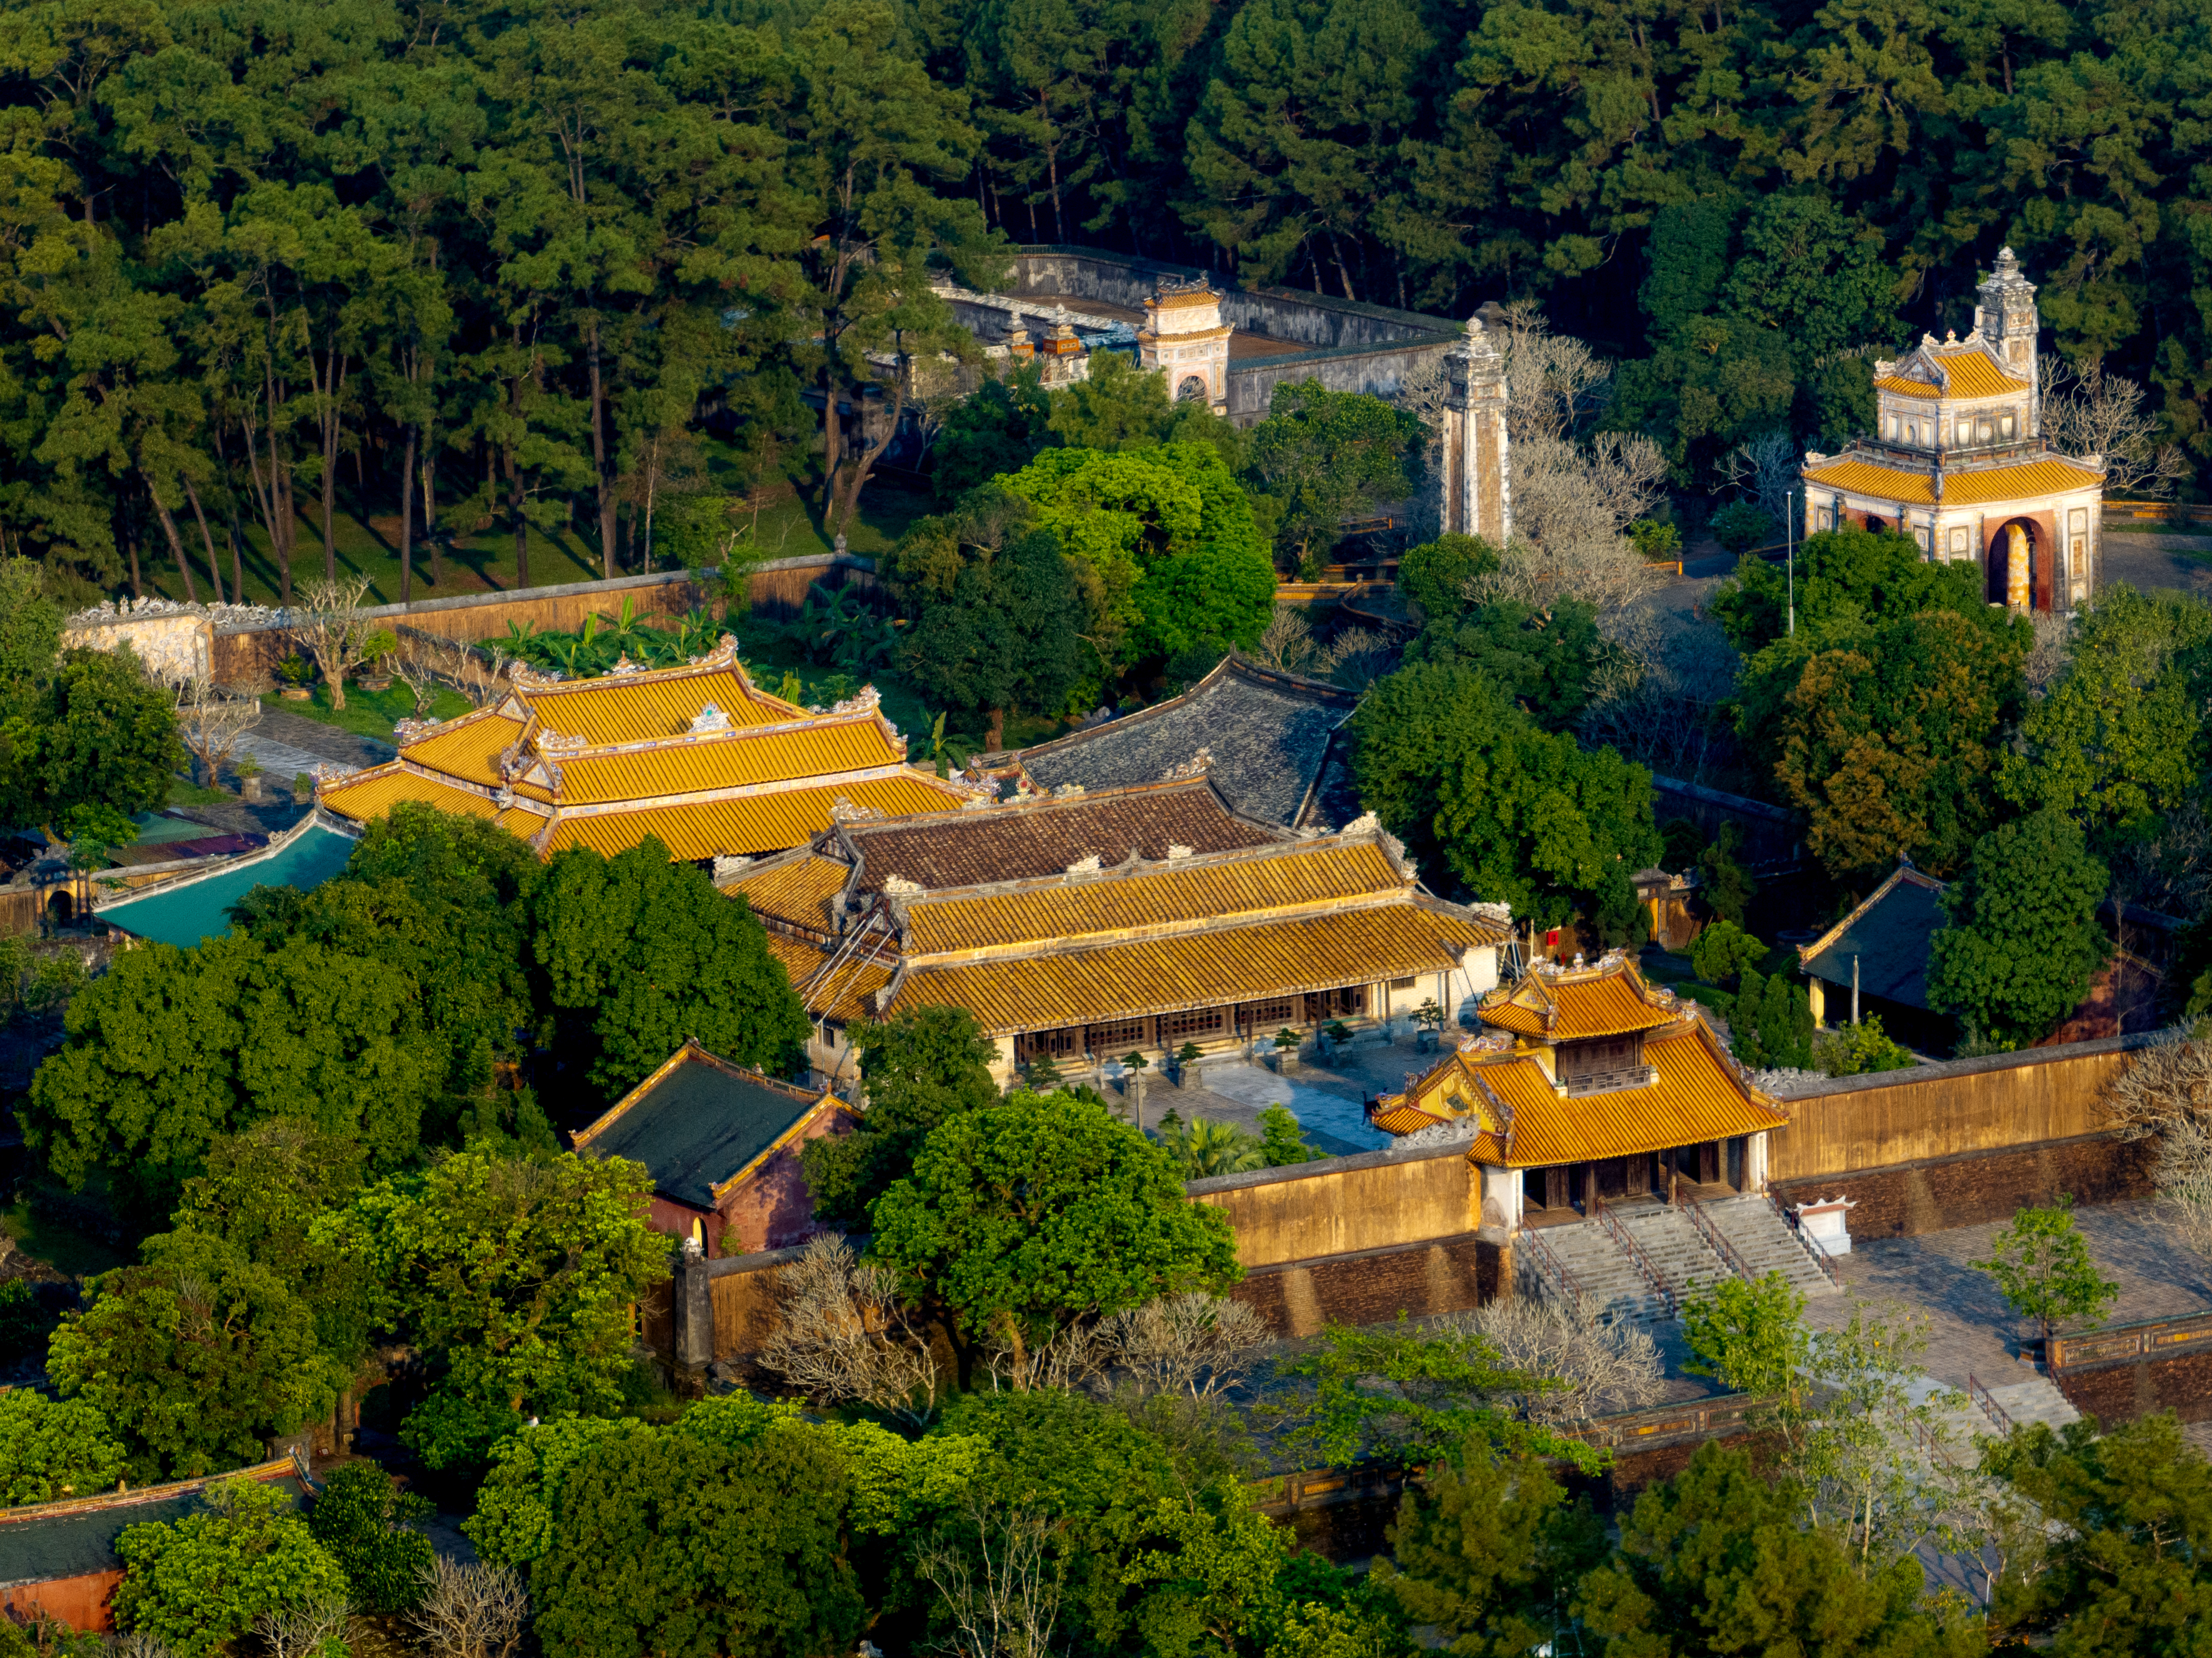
[
  {"x": 1890, "y": 935},
  {"x": 77, "y": 1543},
  {"x": 699, "y": 1124}
]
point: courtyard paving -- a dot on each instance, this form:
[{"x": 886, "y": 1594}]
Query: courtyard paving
[{"x": 1329, "y": 1100}]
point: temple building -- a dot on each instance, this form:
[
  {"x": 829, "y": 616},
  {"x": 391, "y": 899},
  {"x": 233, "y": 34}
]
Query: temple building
[
  {"x": 722, "y": 1144},
  {"x": 1589, "y": 1084},
  {"x": 697, "y": 756},
  {"x": 1958, "y": 462},
  {"x": 1084, "y": 926},
  {"x": 1273, "y": 743}
]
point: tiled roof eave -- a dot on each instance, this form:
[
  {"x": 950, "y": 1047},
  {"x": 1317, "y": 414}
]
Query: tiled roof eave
[{"x": 1022, "y": 950}]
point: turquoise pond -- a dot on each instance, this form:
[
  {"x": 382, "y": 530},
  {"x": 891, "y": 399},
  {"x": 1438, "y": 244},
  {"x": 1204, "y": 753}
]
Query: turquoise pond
[{"x": 184, "y": 915}]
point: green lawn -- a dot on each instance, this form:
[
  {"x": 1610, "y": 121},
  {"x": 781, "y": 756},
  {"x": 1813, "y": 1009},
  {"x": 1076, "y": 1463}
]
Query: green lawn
[
  {"x": 369, "y": 714},
  {"x": 367, "y": 543}
]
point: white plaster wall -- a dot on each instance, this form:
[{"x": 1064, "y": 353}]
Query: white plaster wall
[{"x": 180, "y": 645}]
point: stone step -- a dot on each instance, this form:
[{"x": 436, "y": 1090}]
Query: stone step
[
  {"x": 2035, "y": 1399},
  {"x": 1602, "y": 1270},
  {"x": 1767, "y": 1244}
]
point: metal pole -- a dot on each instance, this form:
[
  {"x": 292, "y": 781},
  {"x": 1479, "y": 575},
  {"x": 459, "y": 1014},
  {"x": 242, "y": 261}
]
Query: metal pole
[
  {"x": 1789, "y": 553},
  {"x": 1855, "y": 987}
]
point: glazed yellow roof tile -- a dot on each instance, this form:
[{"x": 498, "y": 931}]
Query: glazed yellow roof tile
[
  {"x": 800, "y": 959},
  {"x": 736, "y": 760},
  {"x": 1576, "y": 1007},
  {"x": 846, "y": 991},
  {"x": 1905, "y": 388},
  {"x": 798, "y": 889},
  {"x": 371, "y": 793},
  {"x": 1221, "y": 887},
  {"x": 1404, "y": 1120},
  {"x": 469, "y": 748},
  {"x": 630, "y": 707},
  {"x": 1196, "y": 969},
  {"x": 1970, "y": 372},
  {"x": 1526, "y": 1122},
  {"x": 749, "y": 824},
  {"x": 1961, "y": 488}
]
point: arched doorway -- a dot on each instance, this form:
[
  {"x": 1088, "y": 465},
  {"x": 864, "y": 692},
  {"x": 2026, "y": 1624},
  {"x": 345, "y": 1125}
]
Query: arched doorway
[
  {"x": 61, "y": 909},
  {"x": 1877, "y": 524},
  {"x": 2019, "y": 566},
  {"x": 1192, "y": 390}
]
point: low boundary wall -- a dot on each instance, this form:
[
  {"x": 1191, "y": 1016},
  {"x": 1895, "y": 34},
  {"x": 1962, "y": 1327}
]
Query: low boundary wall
[
  {"x": 2122, "y": 1371},
  {"x": 775, "y": 590}
]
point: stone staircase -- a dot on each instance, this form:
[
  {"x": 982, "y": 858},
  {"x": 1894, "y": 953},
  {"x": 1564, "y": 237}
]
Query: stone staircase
[
  {"x": 1602, "y": 1270},
  {"x": 2034, "y": 1398},
  {"x": 1764, "y": 1243},
  {"x": 1672, "y": 1243}
]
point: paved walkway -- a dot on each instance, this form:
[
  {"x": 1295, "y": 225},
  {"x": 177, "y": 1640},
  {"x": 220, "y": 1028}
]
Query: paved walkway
[
  {"x": 287, "y": 744},
  {"x": 1329, "y": 1100},
  {"x": 1970, "y": 1331},
  {"x": 2150, "y": 562}
]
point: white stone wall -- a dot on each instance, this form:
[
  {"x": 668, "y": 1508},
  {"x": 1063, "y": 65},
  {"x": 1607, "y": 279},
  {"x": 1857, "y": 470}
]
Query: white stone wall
[{"x": 179, "y": 644}]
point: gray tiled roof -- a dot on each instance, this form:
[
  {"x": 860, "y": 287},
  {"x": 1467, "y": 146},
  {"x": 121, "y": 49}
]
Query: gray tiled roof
[
  {"x": 79, "y": 1541},
  {"x": 1043, "y": 837},
  {"x": 1889, "y": 935},
  {"x": 700, "y": 1124},
  {"x": 1268, "y": 735}
]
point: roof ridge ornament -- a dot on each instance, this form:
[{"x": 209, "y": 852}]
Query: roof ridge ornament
[
  {"x": 1197, "y": 766},
  {"x": 710, "y": 719},
  {"x": 1367, "y": 824}
]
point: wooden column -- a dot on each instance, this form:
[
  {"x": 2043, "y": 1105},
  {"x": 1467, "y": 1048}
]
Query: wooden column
[
  {"x": 1708, "y": 1163},
  {"x": 1556, "y": 1193}
]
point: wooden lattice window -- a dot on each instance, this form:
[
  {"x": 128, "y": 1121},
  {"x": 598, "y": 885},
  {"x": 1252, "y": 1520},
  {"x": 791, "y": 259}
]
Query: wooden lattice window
[
  {"x": 1117, "y": 1038},
  {"x": 1191, "y": 1022}
]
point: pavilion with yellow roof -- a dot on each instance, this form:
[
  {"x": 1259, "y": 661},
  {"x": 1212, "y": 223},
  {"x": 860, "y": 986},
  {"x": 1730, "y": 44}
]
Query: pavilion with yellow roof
[
  {"x": 1590, "y": 1084},
  {"x": 698, "y": 755},
  {"x": 1958, "y": 462}
]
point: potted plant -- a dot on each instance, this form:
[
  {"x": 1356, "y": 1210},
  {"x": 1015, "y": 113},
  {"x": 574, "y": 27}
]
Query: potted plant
[
  {"x": 303, "y": 790},
  {"x": 294, "y": 676},
  {"x": 1187, "y": 1065},
  {"x": 1331, "y": 1036},
  {"x": 1044, "y": 1074},
  {"x": 376, "y": 653},
  {"x": 249, "y": 778},
  {"x": 1428, "y": 1020},
  {"x": 1287, "y": 1050}
]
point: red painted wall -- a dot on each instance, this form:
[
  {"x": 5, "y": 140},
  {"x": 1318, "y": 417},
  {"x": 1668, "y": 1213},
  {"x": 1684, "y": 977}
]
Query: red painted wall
[
  {"x": 80, "y": 1602},
  {"x": 772, "y": 1210}
]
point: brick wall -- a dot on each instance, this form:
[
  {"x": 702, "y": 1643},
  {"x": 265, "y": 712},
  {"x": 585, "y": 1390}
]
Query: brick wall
[
  {"x": 1905, "y": 1200},
  {"x": 1372, "y": 1286},
  {"x": 2122, "y": 1392}
]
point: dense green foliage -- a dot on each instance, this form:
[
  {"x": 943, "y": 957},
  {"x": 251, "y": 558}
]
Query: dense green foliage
[
  {"x": 1514, "y": 813},
  {"x": 2023, "y": 939},
  {"x": 382, "y": 1007},
  {"x": 1489, "y": 1553},
  {"x": 197, "y": 1354},
  {"x": 1772, "y": 1020},
  {"x": 52, "y": 1448},
  {"x": 1025, "y": 1215},
  {"x": 199, "y": 1582},
  {"x": 513, "y": 1278},
  {"x": 643, "y": 955},
  {"x": 360, "y": 1518},
  {"x": 992, "y": 605},
  {"x": 1163, "y": 541},
  {"x": 921, "y": 1067},
  {"x": 2044, "y": 1270},
  {"x": 1719, "y": 1550},
  {"x": 1322, "y": 457}
]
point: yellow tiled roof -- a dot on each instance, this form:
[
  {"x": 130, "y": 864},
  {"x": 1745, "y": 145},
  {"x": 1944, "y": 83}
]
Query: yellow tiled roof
[
  {"x": 632, "y": 707},
  {"x": 1577, "y": 1005},
  {"x": 1970, "y": 372},
  {"x": 1404, "y": 1120},
  {"x": 798, "y": 889},
  {"x": 1905, "y": 388},
  {"x": 734, "y": 760},
  {"x": 1224, "y": 886},
  {"x": 748, "y": 823},
  {"x": 468, "y": 748},
  {"x": 1204, "y": 969},
  {"x": 1526, "y": 1123},
  {"x": 846, "y": 991},
  {"x": 1961, "y": 489},
  {"x": 371, "y": 793},
  {"x": 800, "y": 959}
]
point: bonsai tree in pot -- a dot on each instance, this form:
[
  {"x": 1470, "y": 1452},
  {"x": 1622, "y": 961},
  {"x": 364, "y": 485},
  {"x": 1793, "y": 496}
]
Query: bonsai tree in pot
[
  {"x": 1186, "y": 1058},
  {"x": 1429, "y": 1018},
  {"x": 1286, "y": 1049},
  {"x": 376, "y": 653},
  {"x": 303, "y": 789},
  {"x": 249, "y": 778},
  {"x": 1331, "y": 1036},
  {"x": 295, "y": 675},
  {"x": 1133, "y": 1085}
]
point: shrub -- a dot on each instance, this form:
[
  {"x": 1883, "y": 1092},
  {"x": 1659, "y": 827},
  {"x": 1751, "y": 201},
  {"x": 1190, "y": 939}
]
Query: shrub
[
  {"x": 1654, "y": 540},
  {"x": 361, "y": 1518},
  {"x": 1723, "y": 950},
  {"x": 1858, "y": 1050},
  {"x": 200, "y": 1582},
  {"x": 1742, "y": 526},
  {"x": 1772, "y": 1024}
]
